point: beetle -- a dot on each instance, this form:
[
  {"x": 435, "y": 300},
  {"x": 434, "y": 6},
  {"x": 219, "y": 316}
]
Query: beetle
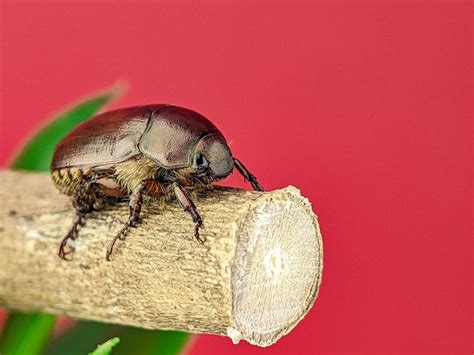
[{"x": 158, "y": 151}]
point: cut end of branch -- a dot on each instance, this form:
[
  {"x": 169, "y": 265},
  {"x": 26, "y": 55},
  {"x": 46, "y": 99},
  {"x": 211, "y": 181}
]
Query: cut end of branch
[{"x": 277, "y": 267}]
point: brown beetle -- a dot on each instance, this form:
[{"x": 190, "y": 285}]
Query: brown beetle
[{"x": 162, "y": 151}]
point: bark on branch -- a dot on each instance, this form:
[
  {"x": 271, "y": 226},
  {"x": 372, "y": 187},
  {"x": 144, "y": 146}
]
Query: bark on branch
[{"x": 254, "y": 278}]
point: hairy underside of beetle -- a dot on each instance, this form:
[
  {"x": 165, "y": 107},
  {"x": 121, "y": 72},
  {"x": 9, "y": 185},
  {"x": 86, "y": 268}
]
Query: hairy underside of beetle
[{"x": 125, "y": 178}]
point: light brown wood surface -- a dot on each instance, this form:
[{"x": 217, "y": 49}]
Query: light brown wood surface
[{"x": 255, "y": 277}]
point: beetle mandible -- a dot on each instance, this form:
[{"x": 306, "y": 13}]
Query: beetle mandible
[{"x": 161, "y": 151}]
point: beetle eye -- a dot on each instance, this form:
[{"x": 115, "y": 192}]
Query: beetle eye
[{"x": 200, "y": 161}]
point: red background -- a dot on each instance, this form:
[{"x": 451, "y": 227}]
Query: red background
[{"x": 365, "y": 107}]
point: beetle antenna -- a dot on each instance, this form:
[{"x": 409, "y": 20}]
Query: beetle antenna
[{"x": 248, "y": 176}]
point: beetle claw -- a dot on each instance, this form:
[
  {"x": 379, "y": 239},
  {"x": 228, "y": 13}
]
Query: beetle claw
[
  {"x": 197, "y": 235},
  {"x": 64, "y": 247},
  {"x": 123, "y": 232},
  {"x": 135, "y": 223},
  {"x": 200, "y": 240},
  {"x": 120, "y": 236},
  {"x": 107, "y": 256},
  {"x": 110, "y": 248},
  {"x": 62, "y": 252}
]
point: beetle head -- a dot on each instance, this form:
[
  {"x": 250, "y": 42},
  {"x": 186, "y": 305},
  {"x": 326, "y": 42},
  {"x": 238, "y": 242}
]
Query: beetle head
[{"x": 212, "y": 157}]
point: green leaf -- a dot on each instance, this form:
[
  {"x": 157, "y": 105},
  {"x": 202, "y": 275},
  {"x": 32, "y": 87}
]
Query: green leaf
[
  {"x": 26, "y": 333},
  {"x": 145, "y": 342},
  {"x": 38, "y": 152},
  {"x": 106, "y": 348},
  {"x": 81, "y": 337}
]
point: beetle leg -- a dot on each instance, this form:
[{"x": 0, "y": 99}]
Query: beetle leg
[
  {"x": 188, "y": 205},
  {"x": 83, "y": 204},
  {"x": 79, "y": 220},
  {"x": 135, "y": 206},
  {"x": 248, "y": 176}
]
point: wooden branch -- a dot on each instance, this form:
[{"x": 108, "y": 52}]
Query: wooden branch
[{"x": 254, "y": 278}]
